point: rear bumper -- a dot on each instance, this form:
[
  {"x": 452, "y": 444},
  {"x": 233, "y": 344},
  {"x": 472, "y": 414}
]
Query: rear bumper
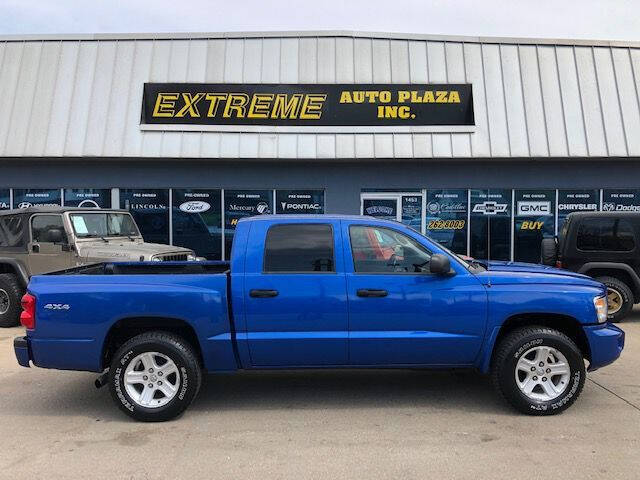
[
  {"x": 22, "y": 351},
  {"x": 606, "y": 342}
]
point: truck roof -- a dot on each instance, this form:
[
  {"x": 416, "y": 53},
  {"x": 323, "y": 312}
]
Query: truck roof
[
  {"x": 302, "y": 216},
  {"x": 54, "y": 209},
  {"x": 604, "y": 214}
]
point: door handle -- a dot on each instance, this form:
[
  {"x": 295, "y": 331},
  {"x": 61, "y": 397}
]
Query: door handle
[
  {"x": 372, "y": 292},
  {"x": 263, "y": 293}
]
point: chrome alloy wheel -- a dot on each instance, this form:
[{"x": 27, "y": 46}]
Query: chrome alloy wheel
[
  {"x": 542, "y": 373},
  {"x": 5, "y": 302},
  {"x": 614, "y": 300},
  {"x": 152, "y": 379}
]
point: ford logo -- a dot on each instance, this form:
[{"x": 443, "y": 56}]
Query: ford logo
[{"x": 195, "y": 206}]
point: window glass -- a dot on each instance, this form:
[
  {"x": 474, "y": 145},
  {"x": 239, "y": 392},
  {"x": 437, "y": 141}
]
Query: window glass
[
  {"x": 87, "y": 197},
  {"x": 11, "y": 231},
  {"x": 299, "y": 201},
  {"x": 240, "y": 204},
  {"x": 41, "y": 226},
  {"x": 197, "y": 221},
  {"x": 534, "y": 220},
  {"x": 491, "y": 224},
  {"x": 447, "y": 218},
  {"x": 25, "y": 198},
  {"x": 621, "y": 200},
  {"x": 98, "y": 225},
  {"x": 412, "y": 211},
  {"x": 384, "y": 208},
  {"x": 299, "y": 248},
  {"x": 606, "y": 234},
  {"x": 150, "y": 210},
  {"x": 570, "y": 201},
  {"x": 4, "y": 199},
  {"x": 383, "y": 250}
]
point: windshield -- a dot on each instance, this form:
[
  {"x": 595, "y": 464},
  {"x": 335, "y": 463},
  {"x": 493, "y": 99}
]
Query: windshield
[
  {"x": 455, "y": 255},
  {"x": 100, "y": 225}
]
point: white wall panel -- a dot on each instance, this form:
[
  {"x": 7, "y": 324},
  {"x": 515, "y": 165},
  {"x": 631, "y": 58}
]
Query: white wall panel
[
  {"x": 591, "y": 105},
  {"x": 571, "y": 102},
  {"x": 10, "y": 70},
  {"x": 23, "y": 99},
  {"x": 610, "y": 102},
  {"x": 533, "y": 104},
  {"x": 552, "y": 102},
  {"x": 628, "y": 98},
  {"x": 81, "y": 99},
  {"x": 529, "y": 100},
  {"x": 43, "y": 99}
]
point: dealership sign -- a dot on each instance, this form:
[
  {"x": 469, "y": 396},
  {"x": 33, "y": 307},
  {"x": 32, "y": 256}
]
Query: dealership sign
[{"x": 329, "y": 107}]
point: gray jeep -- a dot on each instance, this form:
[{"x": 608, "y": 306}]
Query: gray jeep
[{"x": 45, "y": 239}]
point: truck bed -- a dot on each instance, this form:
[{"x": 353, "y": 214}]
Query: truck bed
[{"x": 147, "y": 268}]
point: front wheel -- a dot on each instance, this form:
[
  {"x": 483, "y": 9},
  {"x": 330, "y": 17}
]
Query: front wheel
[
  {"x": 154, "y": 376},
  {"x": 538, "y": 370}
]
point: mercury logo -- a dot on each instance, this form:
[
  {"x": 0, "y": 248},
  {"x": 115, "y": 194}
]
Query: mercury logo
[{"x": 262, "y": 207}]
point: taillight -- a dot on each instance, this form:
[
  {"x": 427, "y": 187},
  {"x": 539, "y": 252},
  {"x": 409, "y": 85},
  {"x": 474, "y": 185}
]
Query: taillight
[
  {"x": 559, "y": 264},
  {"x": 28, "y": 315}
]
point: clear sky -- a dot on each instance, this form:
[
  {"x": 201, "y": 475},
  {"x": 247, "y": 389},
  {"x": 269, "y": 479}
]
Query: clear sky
[{"x": 590, "y": 19}]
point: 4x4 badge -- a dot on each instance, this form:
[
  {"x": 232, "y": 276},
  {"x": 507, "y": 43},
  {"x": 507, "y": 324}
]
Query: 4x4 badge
[{"x": 57, "y": 306}]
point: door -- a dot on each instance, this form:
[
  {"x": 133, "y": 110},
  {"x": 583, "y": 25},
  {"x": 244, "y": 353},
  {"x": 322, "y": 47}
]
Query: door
[
  {"x": 295, "y": 295},
  {"x": 399, "y": 313},
  {"x": 49, "y": 247},
  {"x": 403, "y": 207}
]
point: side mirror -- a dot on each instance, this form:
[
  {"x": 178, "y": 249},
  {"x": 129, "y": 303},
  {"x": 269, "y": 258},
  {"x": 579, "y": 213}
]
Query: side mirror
[
  {"x": 439, "y": 264},
  {"x": 54, "y": 235}
]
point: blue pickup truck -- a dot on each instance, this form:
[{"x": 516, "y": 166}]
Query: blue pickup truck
[{"x": 319, "y": 291}]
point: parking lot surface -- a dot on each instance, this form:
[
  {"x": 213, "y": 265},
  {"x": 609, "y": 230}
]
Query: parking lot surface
[{"x": 334, "y": 425}]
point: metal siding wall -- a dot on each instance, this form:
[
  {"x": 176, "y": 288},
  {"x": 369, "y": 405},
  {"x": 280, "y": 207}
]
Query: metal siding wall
[{"x": 83, "y": 97}]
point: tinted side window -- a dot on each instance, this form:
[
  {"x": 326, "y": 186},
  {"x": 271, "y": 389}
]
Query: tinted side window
[
  {"x": 606, "y": 234},
  {"x": 41, "y": 225},
  {"x": 382, "y": 250},
  {"x": 299, "y": 248}
]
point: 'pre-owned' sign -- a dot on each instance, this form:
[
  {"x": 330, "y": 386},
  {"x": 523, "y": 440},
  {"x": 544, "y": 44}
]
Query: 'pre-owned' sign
[{"x": 307, "y": 105}]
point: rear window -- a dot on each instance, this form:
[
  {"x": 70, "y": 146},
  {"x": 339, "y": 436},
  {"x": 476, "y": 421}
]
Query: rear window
[
  {"x": 605, "y": 234},
  {"x": 299, "y": 248},
  {"x": 11, "y": 231}
]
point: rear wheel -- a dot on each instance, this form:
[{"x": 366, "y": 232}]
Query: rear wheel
[
  {"x": 154, "y": 376},
  {"x": 10, "y": 295},
  {"x": 538, "y": 370},
  {"x": 619, "y": 298}
]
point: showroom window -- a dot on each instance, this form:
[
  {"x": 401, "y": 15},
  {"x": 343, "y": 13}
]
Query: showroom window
[
  {"x": 5, "y": 199},
  {"x": 447, "y": 218},
  {"x": 197, "y": 221},
  {"x": 411, "y": 213},
  {"x": 24, "y": 198},
  {"x": 570, "y": 201},
  {"x": 299, "y": 201},
  {"x": 490, "y": 224},
  {"x": 87, "y": 197},
  {"x": 621, "y": 200},
  {"x": 239, "y": 204},
  {"x": 297, "y": 248},
  {"x": 150, "y": 209},
  {"x": 534, "y": 220}
]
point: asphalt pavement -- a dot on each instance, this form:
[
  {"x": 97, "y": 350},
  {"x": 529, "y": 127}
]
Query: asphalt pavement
[{"x": 311, "y": 424}]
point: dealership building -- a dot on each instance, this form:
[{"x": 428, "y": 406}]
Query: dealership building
[{"x": 485, "y": 144}]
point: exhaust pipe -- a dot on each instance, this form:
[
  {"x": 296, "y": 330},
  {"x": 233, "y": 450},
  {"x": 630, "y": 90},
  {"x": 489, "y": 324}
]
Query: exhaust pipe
[{"x": 101, "y": 381}]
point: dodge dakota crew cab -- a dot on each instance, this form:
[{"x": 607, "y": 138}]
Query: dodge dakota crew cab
[{"x": 319, "y": 291}]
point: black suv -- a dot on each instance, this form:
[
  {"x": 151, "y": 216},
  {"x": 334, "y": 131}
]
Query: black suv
[{"x": 605, "y": 246}]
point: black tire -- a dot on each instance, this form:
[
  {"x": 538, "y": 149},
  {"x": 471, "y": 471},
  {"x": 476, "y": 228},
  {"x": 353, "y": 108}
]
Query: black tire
[
  {"x": 9, "y": 284},
  {"x": 176, "y": 349},
  {"x": 518, "y": 343},
  {"x": 619, "y": 288},
  {"x": 548, "y": 251}
]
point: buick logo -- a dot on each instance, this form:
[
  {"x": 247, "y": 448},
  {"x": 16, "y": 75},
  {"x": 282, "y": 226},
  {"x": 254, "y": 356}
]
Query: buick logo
[{"x": 195, "y": 206}]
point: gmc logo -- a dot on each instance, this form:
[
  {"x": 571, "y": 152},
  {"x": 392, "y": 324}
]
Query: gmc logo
[{"x": 530, "y": 208}]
